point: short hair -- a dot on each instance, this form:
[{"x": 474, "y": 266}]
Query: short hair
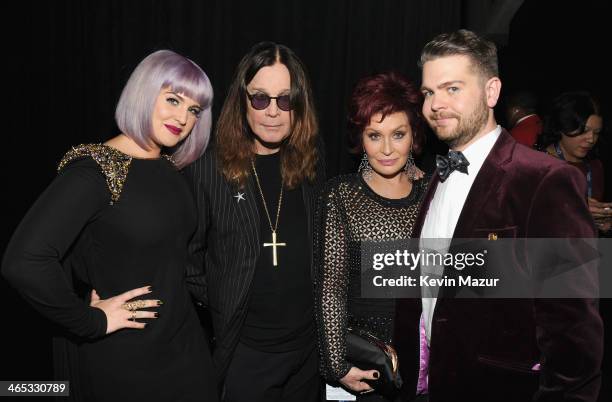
[
  {"x": 569, "y": 112},
  {"x": 385, "y": 93},
  {"x": 481, "y": 52},
  {"x": 234, "y": 140},
  {"x": 526, "y": 100},
  {"x": 161, "y": 69}
]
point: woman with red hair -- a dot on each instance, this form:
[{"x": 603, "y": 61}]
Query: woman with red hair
[{"x": 379, "y": 203}]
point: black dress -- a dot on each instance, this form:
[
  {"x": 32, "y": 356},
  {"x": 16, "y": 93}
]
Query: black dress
[
  {"x": 351, "y": 212},
  {"x": 115, "y": 223}
]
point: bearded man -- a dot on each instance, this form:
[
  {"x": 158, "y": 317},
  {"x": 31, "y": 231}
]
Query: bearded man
[{"x": 536, "y": 349}]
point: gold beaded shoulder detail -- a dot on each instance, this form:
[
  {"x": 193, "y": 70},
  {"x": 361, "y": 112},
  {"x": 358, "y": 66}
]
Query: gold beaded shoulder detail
[
  {"x": 114, "y": 164},
  {"x": 169, "y": 158}
]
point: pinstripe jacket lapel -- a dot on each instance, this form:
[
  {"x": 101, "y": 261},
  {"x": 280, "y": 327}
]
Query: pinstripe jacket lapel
[{"x": 247, "y": 221}]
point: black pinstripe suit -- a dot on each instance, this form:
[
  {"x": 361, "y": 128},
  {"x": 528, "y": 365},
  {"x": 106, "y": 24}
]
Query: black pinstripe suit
[{"x": 227, "y": 248}]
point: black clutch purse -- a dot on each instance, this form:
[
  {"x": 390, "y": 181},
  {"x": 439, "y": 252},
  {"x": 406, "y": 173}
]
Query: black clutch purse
[{"x": 367, "y": 352}]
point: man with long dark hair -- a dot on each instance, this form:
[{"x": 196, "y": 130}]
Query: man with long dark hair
[{"x": 256, "y": 191}]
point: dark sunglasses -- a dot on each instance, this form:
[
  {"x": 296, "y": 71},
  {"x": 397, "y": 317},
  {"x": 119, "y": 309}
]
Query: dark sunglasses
[{"x": 261, "y": 101}]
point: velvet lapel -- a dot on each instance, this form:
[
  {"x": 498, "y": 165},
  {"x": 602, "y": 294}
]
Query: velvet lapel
[
  {"x": 490, "y": 175},
  {"x": 486, "y": 183}
]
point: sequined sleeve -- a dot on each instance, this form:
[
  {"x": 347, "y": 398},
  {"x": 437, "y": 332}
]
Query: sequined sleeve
[{"x": 331, "y": 284}]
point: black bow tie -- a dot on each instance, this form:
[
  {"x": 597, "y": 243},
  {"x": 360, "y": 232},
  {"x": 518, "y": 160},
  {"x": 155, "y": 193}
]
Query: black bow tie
[{"x": 453, "y": 161}]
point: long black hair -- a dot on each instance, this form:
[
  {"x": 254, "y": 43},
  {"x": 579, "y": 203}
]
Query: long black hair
[{"x": 568, "y": 116}]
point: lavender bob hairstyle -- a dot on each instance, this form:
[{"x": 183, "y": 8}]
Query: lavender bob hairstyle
[{"x": 161, "y": 69}]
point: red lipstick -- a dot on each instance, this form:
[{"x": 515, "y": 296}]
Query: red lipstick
[{"x": 174, "y": 130}]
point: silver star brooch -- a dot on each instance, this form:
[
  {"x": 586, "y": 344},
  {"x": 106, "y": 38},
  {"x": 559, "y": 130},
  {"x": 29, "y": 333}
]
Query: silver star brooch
[{"x": 239, "y": 196}]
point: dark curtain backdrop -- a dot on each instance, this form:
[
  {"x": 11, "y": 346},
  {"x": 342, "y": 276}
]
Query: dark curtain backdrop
[
  {"x": 74, "y": 57},
  {"x": 84, "y": 51},
  {"x": 68, "y": 61}
]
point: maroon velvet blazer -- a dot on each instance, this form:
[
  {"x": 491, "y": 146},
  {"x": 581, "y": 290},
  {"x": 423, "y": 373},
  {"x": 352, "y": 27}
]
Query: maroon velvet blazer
[{"x": 486, "y": 349}]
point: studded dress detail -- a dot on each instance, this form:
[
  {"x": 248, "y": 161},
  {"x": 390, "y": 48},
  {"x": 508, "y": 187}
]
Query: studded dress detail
[
  {"x": 112, "y": 222},
  {"x": 351, "y": 212},
  {"x": 114, "y": 164}
]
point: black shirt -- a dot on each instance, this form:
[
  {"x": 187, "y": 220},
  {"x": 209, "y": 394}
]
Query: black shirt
[{"x": 280, "y": 315}]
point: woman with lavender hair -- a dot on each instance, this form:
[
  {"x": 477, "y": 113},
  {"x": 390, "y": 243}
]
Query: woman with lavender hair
[{"x": 116, "y": 222}]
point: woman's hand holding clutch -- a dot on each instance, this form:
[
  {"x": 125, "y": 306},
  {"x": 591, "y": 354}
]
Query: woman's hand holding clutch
[{"x": 353, "y": 380}]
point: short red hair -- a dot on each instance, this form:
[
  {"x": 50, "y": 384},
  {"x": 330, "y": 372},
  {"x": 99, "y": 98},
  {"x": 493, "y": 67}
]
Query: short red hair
[{"x": 385, "y": 93}]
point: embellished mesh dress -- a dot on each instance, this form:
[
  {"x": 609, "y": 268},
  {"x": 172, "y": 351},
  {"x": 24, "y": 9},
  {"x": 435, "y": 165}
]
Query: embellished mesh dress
[
  {"x": 115, "y": 223},
  {"x": 351, "y": 212}
]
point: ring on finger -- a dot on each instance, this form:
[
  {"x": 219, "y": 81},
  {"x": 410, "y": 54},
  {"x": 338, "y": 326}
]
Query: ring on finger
[
  {"x": 135, "y": 305},
  {"x": 133, "y": 318}
]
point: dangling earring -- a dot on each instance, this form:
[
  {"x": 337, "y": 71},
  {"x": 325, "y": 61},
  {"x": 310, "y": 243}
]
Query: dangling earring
[
  {"x": 365, "y": 168},
  {"x": 411, "y": 170}
]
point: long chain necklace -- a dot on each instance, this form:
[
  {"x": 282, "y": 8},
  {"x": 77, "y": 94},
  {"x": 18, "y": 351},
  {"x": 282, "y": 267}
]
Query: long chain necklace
[{"x": 274, "y": 244}]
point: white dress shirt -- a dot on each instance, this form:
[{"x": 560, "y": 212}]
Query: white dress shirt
[{"x": 446, "y": 206}]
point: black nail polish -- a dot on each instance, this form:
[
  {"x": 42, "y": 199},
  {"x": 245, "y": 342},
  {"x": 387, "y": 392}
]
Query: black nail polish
[
  {"x": 376, "y": 375},
  {"x": 159, "y": 302},
  {"x": 156, "y": 315},
  {"x": 150, "y": 288}
]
